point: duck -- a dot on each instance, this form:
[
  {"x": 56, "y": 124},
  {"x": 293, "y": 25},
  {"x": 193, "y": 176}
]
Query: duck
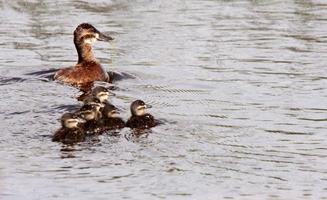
[
  {"x": 71, "y": 130},
  {"x": 91, "y": 100},
  {"x": 92, "y": 117},
  {"x": 111, "y": 119},
  {"x": 102, "y": 94},
  {"x": 140, "y": 119},
  {"x": 88, "y": 69}
]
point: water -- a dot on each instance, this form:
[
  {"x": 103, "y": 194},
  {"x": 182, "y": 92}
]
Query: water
[{"x": 240, "y": 85}]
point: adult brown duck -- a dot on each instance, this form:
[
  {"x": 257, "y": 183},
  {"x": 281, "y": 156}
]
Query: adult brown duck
[{"x": 88, "y": 69}]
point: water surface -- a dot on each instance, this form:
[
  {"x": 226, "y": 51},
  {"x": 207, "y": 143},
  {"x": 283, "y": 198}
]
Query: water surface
[{"x": 240, "y": 85}]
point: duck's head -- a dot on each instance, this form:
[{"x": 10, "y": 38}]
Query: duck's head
[
  {"x": 110, "y": 111},
  {"x": 86, "y": 34},
  {"x": 88, "y": 112},
  {"x": 70, "y": 120},
  {"x": 138, "y": 108},
  {"x": 91, "y": 100},
  {"x": 101, "y": 93}
]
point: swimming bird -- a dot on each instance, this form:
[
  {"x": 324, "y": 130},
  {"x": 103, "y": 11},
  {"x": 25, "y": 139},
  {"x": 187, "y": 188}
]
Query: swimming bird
[
  {"x": 70, "y": 132},
  {"x": 91, "y": 100},
  {"x": 140, "y": 119},
  {"x": 92, "y": 117},
  {"x": 102, "y": 94},
  {"x": 88, "y": 69},
  {"x": 111, "y": 119}
]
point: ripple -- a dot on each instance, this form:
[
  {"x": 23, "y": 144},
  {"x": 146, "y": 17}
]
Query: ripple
[{"x": 288, "y": 132}]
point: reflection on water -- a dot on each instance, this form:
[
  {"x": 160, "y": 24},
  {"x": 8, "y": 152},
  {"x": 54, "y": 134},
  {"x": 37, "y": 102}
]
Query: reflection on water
[{"x": 240, "y": 84}]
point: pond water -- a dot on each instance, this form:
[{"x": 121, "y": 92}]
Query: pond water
[{"x": 240, "y": 85}]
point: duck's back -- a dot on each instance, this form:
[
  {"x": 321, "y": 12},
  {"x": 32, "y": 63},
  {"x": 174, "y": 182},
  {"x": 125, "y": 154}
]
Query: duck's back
[{"x": 82, "y": 74}]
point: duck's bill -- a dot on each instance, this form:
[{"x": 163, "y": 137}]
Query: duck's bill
[
  {"x": 148, "y": 106},
  {"x": 103, "y": 37}
]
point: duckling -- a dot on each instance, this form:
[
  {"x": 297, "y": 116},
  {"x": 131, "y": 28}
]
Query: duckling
[
  {"x": 91, "y": 100},
  {"x": 140, "y": 119},
  {"x": 92, "y": 117},
  {"x": 102, "y": 94},
  {"x": 70, "y": 132},
  {"x": 111, "y": 119},
  {"x": 88, "y": 69}
]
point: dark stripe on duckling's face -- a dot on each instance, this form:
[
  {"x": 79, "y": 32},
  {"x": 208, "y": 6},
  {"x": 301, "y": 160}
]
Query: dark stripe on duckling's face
[{"x": 113, "y": 114}]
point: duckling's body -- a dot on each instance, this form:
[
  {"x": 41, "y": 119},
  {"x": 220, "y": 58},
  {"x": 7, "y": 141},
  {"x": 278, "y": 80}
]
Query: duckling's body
[
  {"x": 141, "y": 122},
  {"x": 111, "y": 119},
  {"x": 88, "y": 69},
  {"x": 69, "y": 136},
  {"x": 70, "y": 132},
  {"x": 140, "y": 119}
]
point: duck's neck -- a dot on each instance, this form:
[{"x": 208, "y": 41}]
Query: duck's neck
[{"x": 85, "y": 53}]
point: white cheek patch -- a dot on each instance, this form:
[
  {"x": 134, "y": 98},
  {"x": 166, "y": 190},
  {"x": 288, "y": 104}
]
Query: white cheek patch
[
  {"x": 71, "y": 124},
  {"x": 103, "y": 96},
  {"x": 90, "y": 40},
  {"x": 140, "y": 111}
]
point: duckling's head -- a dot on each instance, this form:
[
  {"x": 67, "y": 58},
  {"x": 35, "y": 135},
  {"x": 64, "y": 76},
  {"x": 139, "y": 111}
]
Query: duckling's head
[
  {"x": 110, "y": 111},
  {"x": 101, "y": 93},
  {"x": 85, "y": 33},
  {"x": 91, "y": 100},
  {"x": 70, "y": 120},
  {"x": 88, "y": 112},
  {"x": 138, "y": 108}
]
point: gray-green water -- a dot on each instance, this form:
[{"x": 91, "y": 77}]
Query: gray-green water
[{"x": 240, "y": 84}]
